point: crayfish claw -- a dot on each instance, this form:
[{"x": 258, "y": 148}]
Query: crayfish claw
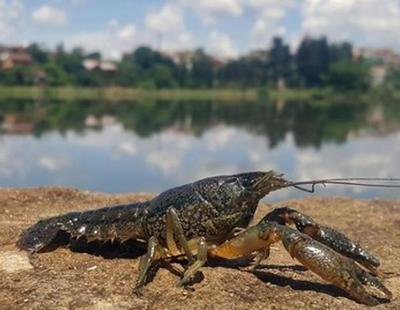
[
  {"x": 341, "y": 271},
  {"x": 331, "y": 237},
  {"x": 368, "y": 279}
]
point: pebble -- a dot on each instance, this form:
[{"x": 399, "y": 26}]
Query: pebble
[{"x": 13, "y": 261}]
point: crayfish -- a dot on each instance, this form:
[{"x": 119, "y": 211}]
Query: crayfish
[{"x": 210, "y": 218}]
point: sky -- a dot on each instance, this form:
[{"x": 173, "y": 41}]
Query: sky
[{"x": 224, "y": 28}]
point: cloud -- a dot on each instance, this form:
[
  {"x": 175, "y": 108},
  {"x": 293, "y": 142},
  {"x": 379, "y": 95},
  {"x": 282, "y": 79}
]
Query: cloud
[
  {"x": 266, "y": 27},
  {"x": 220, "y": 44},
  {"x": 11, "y": 12},
  {"x": 53, "y": 163},
  {"x": 127, "y": 148},
  {"x": 209, "y": 10},
  {"x": 167, "y": 162},
  {"x": 269, "y": 22},
  {"x": 111, "y": 42},
  {"x": 222, "y": 135},
  {"x": 49, "y": 15},
  {"x": 267, "y": 4},
  {"x": 126, "y": 32},
  {"x": 370, "y": 22},
  {"x": 178, "y": 41},
  {"x": 11, "y": 165},
  {"x": 168, "y": 19}
]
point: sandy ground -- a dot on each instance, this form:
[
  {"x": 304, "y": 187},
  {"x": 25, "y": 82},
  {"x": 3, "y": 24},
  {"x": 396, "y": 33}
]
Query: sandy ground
[{"x": 64, "y": 279}]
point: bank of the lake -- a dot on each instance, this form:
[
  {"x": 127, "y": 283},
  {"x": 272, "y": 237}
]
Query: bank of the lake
[
  {"x": 102, "y": 279},
  {"x": 217, "y": 94}
]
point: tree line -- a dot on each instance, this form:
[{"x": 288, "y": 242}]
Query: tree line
[
  {"x": 311, "y": 124},
  {"x": 316, "y": 63}
]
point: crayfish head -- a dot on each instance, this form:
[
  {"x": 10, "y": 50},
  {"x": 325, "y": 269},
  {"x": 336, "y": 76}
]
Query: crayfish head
[{"x": 261, "y": 183}]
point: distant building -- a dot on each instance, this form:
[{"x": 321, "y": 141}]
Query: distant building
[
  {"x": 185, "y": 58},
  {"x": 13, "y": 56},
  {"x": 381, "y": 61},
  {"x": 103, "y": 66},
  {"x": 13, "y": 124},
  {"x": 383, "y": 56}
]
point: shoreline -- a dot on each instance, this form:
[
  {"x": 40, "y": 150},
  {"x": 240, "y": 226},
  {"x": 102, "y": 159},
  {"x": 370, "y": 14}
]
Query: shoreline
[{"x": 217, "y": 94}]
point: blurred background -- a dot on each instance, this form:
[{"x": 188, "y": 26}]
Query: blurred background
[{"x": 140, "y": 96}]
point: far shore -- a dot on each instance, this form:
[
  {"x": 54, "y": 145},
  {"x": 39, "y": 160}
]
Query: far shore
[{"x": 128, "y": 94}]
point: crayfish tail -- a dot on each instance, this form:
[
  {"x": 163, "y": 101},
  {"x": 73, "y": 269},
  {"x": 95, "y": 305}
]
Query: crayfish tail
[
  {"x": 45, "y": 235},
  {"x": 105, "y": 224}
]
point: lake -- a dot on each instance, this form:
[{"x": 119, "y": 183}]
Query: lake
[{"x": 149, "y": 146}]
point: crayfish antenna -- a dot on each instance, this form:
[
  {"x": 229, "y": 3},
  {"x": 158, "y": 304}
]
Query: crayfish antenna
[{"x": 384, "y": 183}]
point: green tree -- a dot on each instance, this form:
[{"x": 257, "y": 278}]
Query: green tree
[
  {"x": 152, "y": 68},
  {"x": 94, "y": 55},
  {"x": 202, "y": 74},
  {"x": 38, "y": 55},
  {"x": 243, "y": 72},
  {"x": 162, "y": 76},
  {"x": 393, "y": 79},
  {"x": 312, "y": 59},
  {"x": 55, "y": 75},
  {"x": 18, "y": 75},
  {"x": 348, "y": 76},
  {"x": 340, "y": 52},
  {"x": 71, "y": 63},
  {"x": 127, "y": 74},
  {"x": 280, "y": 61}
]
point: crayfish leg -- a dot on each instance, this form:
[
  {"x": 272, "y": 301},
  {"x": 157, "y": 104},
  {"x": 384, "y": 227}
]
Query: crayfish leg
[
  {"x": 201, "y": 259},
  {"x": 153, "y": 254},
  {"x": 174, "y": 227}
]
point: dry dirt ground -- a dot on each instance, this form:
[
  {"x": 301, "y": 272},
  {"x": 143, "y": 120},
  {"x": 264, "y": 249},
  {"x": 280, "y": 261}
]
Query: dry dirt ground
[{"x": 64, "y": 279}]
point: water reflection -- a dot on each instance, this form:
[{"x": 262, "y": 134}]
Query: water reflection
[{"x": 150, "y": 146}]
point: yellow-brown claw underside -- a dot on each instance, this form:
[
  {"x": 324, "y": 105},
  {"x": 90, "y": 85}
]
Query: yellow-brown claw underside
[{"x": 252, "y": 239}]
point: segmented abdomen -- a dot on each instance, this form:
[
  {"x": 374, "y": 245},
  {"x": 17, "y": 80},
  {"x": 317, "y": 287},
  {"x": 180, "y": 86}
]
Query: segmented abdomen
[{"x": 121, "y": 222}]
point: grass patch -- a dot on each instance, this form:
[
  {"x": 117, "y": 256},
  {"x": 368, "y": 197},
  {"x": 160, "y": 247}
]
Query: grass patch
[
  {"x": 115, "y": 94},
  {"x": 125, "y": 94}
]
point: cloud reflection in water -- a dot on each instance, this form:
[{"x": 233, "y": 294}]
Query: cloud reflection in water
[{"x": 115, "y": 159}]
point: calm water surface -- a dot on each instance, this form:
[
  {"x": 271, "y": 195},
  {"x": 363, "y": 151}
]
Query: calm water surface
[{"x": 151, "y": 146}]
